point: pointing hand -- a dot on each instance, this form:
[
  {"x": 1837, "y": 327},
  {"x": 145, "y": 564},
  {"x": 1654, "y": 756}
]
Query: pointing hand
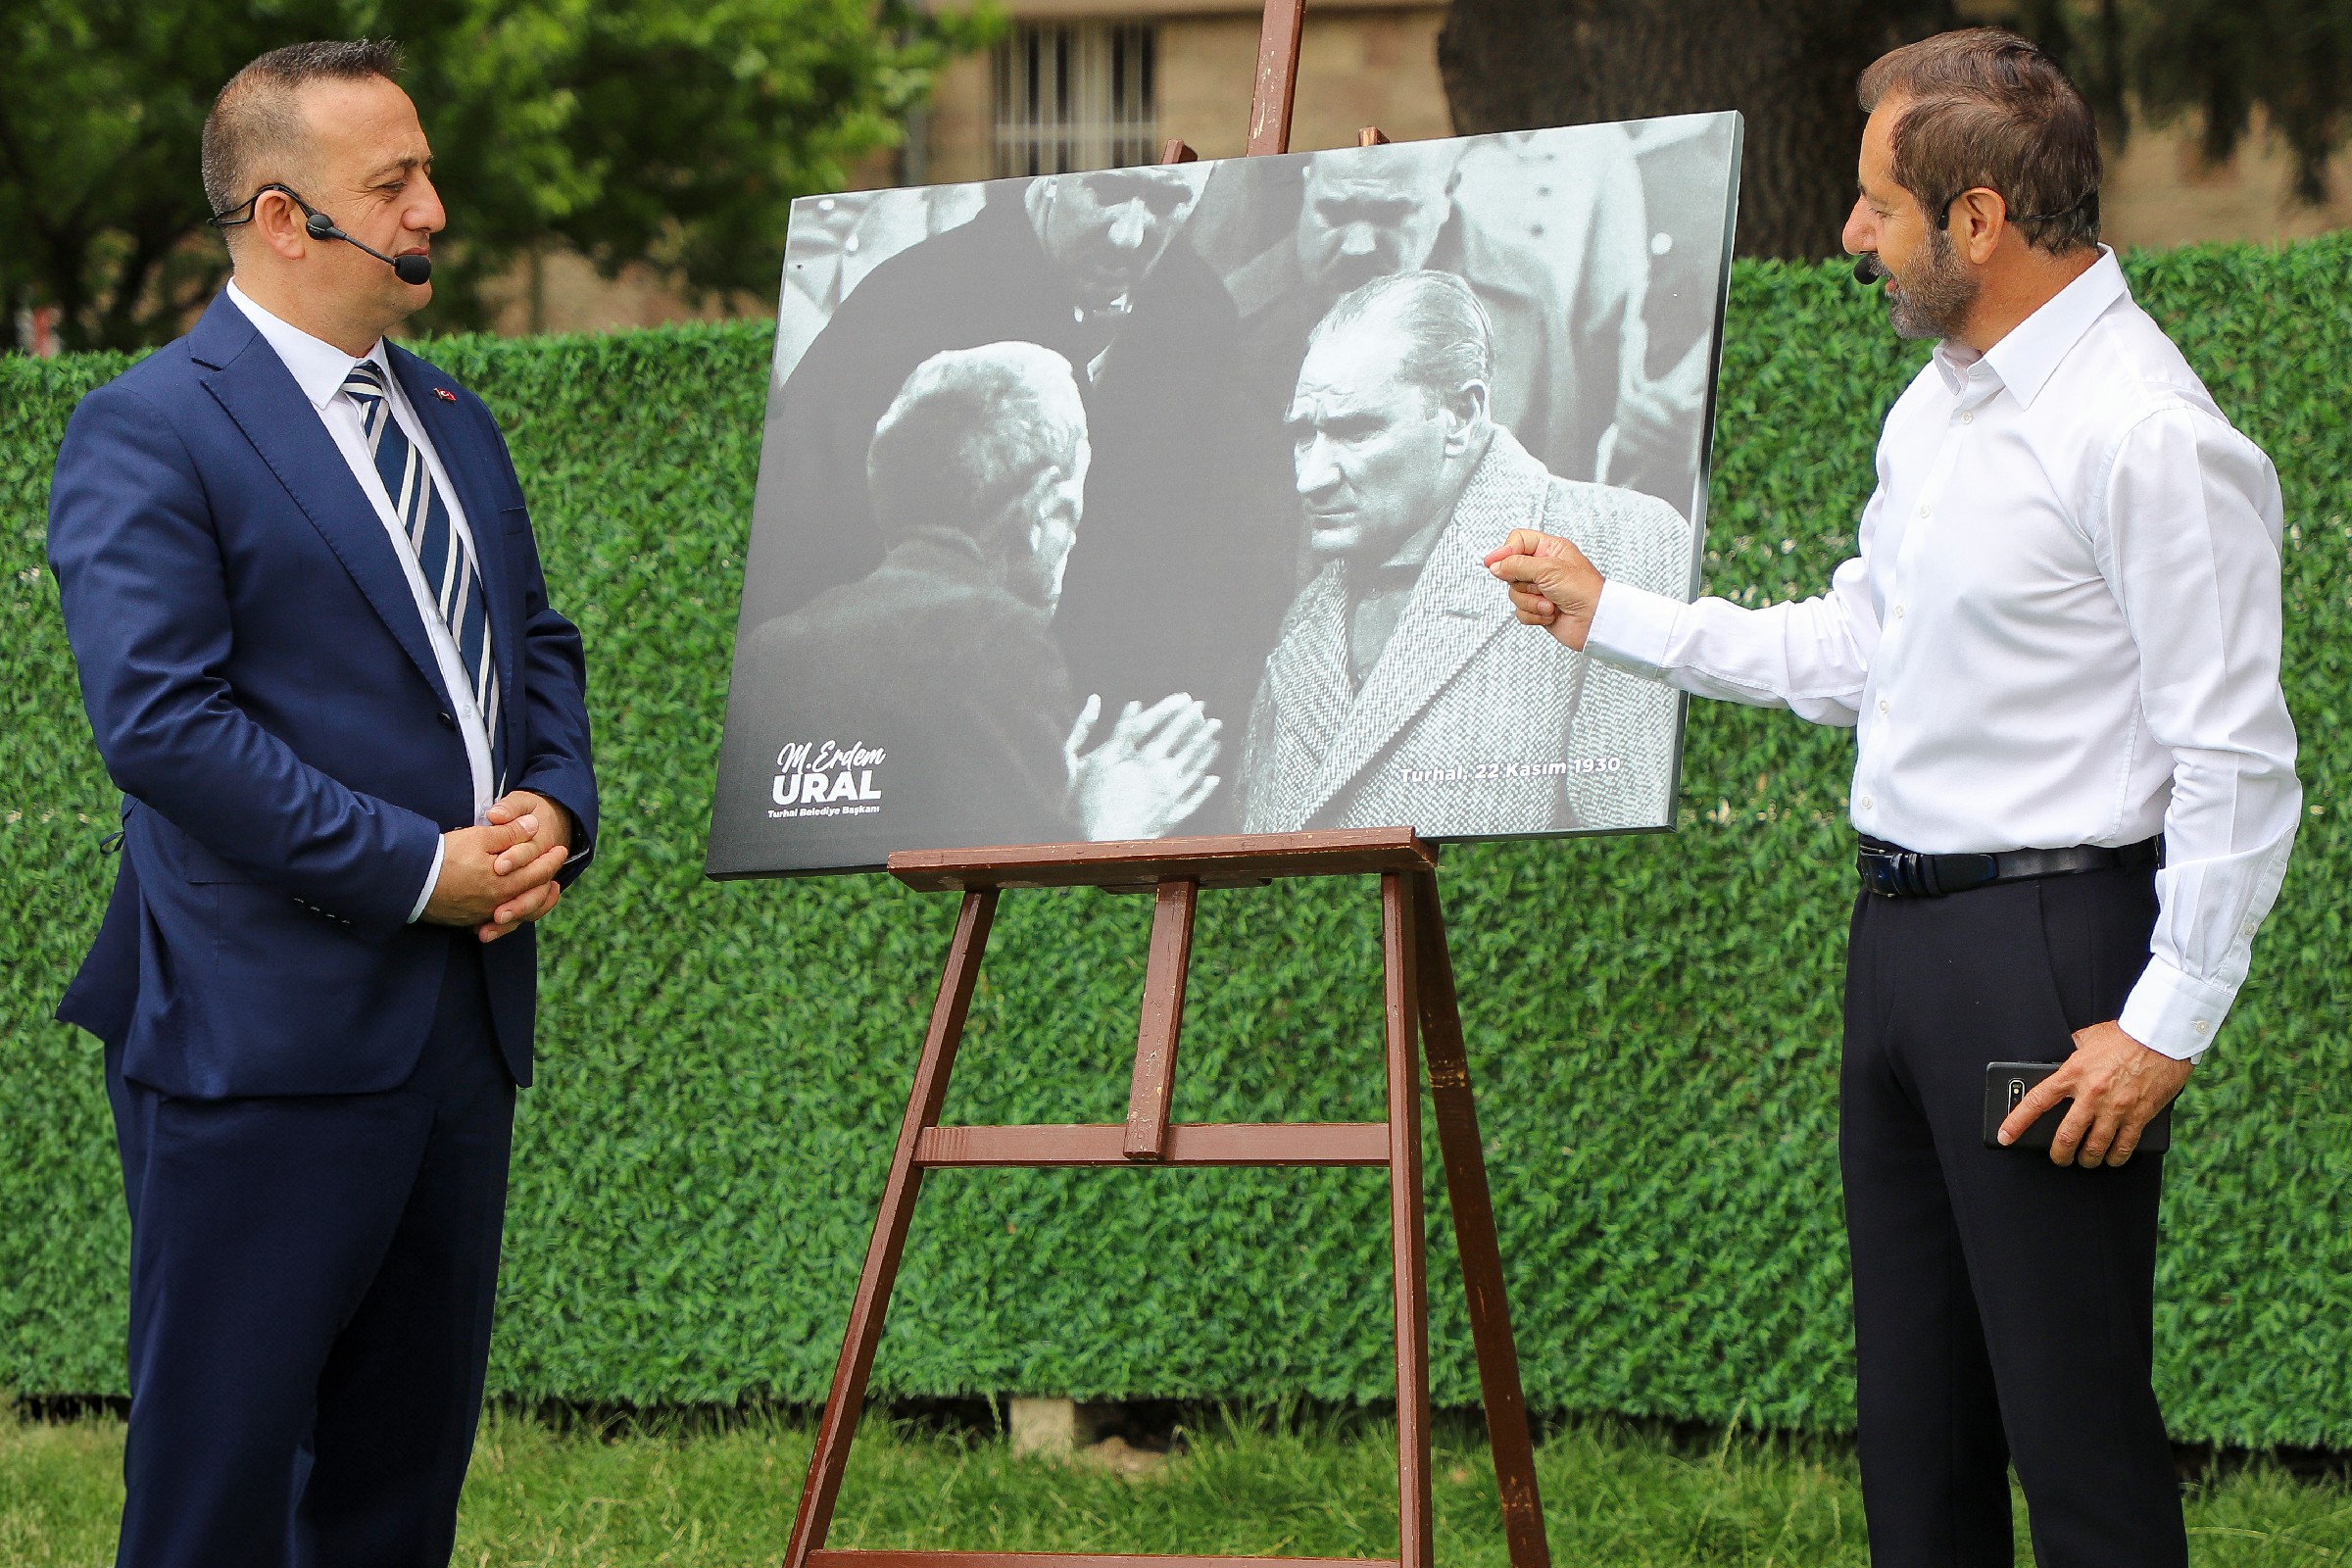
[{"x": 1552, "y": 583}]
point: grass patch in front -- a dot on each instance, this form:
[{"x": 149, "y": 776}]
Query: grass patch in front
[{"x": 695, "y": 1494}]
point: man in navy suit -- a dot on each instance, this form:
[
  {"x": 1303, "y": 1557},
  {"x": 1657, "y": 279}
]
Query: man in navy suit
[{"x": 318, "y": 658}]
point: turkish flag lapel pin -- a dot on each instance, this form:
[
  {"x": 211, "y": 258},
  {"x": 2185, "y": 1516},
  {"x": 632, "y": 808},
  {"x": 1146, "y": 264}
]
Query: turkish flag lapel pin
[{"x": 445, "y": 394}]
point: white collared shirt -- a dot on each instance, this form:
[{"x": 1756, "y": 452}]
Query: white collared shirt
[
  {"x": 2063, "y": 627},
  {"x": 320, "y": 368}
]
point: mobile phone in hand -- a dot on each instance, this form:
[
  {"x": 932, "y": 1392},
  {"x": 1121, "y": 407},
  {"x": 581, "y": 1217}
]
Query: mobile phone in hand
[{"x": 2006, "y": 1083}]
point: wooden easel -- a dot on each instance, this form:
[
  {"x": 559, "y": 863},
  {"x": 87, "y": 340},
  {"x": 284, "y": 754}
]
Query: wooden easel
[{"x": 1421, "y": 1007}]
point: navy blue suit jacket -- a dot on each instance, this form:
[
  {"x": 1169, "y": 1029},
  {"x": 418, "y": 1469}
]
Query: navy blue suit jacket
[{"x": 262, "y": 690}]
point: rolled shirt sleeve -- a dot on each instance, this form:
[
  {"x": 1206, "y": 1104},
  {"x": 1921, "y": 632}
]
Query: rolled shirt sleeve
[
  {"x": 2189, "y": 541},
  {"x": 1810, "y": 655},
  {"x": 2186, "y": 533},
  {"x": 2063, "y": 626}
]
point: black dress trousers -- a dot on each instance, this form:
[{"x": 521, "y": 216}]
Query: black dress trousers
[
  {"x": 2002, "y": 1304},
  {"x": 311, "y": 1289}
]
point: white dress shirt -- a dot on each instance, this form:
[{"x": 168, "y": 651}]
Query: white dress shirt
[
  {"x": 320, "y": 368},
  {"x": 2062, "y": 627}
]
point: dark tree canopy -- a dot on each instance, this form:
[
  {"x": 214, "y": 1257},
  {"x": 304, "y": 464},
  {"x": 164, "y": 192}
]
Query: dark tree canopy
[
  {"x": 1789, "y": 67},
  {"x": 2219, "y": 61},
  {"x": 676, "y": 131}
]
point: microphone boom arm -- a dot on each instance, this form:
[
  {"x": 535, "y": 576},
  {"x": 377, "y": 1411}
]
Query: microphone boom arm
[{"x": 413, "y": 270}]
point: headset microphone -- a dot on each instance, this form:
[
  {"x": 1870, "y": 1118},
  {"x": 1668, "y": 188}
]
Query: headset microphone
[
  {"x": 409, "y": 268},
  {"x": 1866, "y": 269}
]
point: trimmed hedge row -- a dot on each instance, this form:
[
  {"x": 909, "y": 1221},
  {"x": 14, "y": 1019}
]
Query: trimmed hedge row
[{"x": 1654, "y": 1020}]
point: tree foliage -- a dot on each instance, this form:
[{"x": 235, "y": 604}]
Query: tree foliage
[
  {"x": 1789, "y": 66},
  {"x": 2217, "y": 61},
  {"x": 674, "y": 131}
]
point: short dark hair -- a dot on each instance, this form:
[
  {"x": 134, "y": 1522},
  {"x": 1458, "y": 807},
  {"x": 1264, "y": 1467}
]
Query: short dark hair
[
  {"x": 1990, "y": 109},
  {"x": 255, "y": 116}
]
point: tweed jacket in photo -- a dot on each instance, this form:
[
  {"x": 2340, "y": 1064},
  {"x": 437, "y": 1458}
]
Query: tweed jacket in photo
[{"x": 1471, "y": 724}]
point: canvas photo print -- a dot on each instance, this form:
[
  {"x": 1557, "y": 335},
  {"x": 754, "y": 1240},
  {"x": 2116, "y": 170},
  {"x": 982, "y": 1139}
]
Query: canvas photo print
[{"x": 1152, "y": 501}]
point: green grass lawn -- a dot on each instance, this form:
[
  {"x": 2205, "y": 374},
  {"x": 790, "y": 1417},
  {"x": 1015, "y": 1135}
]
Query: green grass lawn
[{"x": 687, "y": 1497}]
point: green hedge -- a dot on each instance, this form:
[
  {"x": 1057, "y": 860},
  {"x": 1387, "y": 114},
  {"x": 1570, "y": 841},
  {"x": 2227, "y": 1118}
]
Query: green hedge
[{"x": 1654, "y": 1020}]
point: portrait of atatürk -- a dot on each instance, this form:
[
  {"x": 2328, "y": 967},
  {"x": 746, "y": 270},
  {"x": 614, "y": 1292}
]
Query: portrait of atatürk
[{"x": 1153, "y": 500}]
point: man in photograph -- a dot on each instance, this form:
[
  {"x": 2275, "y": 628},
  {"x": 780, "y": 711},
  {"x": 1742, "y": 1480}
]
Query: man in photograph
[
  {"x": 835, "y": 241},
  {"x": 1096, "y": 268},
  {"x": 318, "y": 658},
  {"x": 1575, "y": 197},
  {"x": 2075, "y": 790},
  {"x": 937, "y": 673},
  {"x": 1562, "y": 297},
  {"x": 1398, "y": 689}
]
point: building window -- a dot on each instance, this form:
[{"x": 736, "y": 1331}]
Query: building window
[{"x": 1075, "y": 95}]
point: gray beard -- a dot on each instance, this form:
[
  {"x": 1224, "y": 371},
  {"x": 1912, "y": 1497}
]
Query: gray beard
[{"x": 1935, "y": 301}]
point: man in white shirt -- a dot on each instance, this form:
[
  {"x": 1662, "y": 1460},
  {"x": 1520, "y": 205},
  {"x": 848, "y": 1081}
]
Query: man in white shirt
[
  {"x": 2075, "y": 784},
  {"x": 318, "y": 654}
]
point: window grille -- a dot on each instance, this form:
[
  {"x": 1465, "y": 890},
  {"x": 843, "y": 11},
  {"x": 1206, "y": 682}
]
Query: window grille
[{"x": 1075, "y": 95}]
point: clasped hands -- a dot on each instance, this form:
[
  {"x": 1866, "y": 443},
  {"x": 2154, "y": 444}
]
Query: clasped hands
[{"x": 500, "y": 875}]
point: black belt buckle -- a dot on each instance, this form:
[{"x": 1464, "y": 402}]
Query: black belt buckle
[
  {"x": 1909, "y": 874},
  {"x": 1896, "y": 873}
]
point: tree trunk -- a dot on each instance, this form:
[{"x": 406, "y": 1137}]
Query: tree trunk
[{"x": 1788, "y": 65}]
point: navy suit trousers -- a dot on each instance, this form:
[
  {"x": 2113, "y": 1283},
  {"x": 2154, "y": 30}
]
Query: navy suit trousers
[
  {"x": 2002, "y": 1304},
  {"x": 311, "y": 1289}
]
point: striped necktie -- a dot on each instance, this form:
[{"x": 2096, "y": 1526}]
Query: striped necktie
[{"x": 445, "y": 556}]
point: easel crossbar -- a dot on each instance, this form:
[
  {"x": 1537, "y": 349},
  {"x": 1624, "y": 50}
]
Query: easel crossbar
[
  {"x": 827, "y": 1559},
  {"x": 1208, "y": 861},
  {"x": 1279, "y": 1142}
]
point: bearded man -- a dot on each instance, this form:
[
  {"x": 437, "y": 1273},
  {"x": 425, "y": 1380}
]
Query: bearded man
[{"x": 2075, "y": 791}]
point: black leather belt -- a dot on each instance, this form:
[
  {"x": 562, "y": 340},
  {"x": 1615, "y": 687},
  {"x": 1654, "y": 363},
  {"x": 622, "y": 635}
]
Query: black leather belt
[{"x": 1893, "y": 872}]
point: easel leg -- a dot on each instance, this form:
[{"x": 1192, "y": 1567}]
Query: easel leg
[
  {"x": 1276, "y": 88},
  {"x": 847, "y": 1403},
  {"x": 1508, "y": 1432},
  {"x": 1408, "y": 1238},
  {"x": 1163, "y": 1023}
]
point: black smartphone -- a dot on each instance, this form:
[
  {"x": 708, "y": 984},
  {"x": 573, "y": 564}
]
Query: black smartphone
[{"x": 2008, "y": 1082}]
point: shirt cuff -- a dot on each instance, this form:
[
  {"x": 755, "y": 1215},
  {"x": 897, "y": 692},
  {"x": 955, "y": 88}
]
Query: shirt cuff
[
  {"x": 577, "y": 854},
  {"x": 432, "y": 879},
  {"x": 2170, "y": 1013},
  {"x": 1633, "y": 628}
]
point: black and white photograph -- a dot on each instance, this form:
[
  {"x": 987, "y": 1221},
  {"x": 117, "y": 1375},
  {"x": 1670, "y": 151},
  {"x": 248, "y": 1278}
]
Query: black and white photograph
[{"x": 1153, "y": 500}]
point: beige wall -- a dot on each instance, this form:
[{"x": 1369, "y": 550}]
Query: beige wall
[
  {"x": 1372, "y": 65},
  {"x": 1206, "y": 64},
  {"x": 961, "y": 125},
  {"x": 2159, "y": 193},
  {"x": 1356, "y": 67},
  {"x": 567, "y": 296}
]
